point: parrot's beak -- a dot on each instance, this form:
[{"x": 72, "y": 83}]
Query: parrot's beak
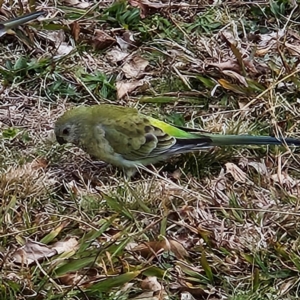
[{"x": 60, "y": 140}]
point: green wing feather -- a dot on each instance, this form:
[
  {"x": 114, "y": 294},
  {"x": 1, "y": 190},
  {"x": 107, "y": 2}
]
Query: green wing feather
[{"x": 171, "y": 130}]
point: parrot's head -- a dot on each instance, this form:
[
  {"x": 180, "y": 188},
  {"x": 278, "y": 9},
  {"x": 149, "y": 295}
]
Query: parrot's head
[
  {"x": 66, "y": 130},
  {"x": 71, "y": 126}
]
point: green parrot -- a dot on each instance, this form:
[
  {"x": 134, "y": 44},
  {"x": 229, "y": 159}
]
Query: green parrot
[
  {"x": 126, "y": 138},
  {"x": 6, "y": 26}
]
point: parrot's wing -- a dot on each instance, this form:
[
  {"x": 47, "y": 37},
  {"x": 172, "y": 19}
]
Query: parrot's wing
[{"x": 137, "y": 137}]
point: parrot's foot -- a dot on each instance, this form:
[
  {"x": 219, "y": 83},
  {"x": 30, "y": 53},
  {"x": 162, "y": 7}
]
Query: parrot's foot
[{"x": 129, "y": 172}]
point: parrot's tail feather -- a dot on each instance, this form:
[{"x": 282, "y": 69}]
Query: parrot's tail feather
[
  {"x": 184, "y": 145},
  {"x": 21, "y": 20},
  {"x": 221, "y": 140}
]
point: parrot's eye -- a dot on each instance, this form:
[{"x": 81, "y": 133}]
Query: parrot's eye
[{"x": 66, "y": 131}]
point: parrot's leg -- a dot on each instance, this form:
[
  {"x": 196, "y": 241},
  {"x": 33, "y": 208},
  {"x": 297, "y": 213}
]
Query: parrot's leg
[{"x": 129, "y": 172}]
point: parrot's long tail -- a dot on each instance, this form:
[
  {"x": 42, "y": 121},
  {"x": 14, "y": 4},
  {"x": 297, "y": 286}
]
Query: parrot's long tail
[
  {"x": 21, "y": 20},
  {"x": 205, "y": 141},
  {"x": 222, "y": 140}
]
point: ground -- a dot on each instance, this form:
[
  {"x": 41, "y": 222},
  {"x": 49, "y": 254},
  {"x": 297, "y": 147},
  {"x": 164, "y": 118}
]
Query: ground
[{"x": 220, "y": 224}]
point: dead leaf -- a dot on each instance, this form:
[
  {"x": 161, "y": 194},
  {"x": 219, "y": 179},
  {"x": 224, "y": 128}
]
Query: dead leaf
[
  {"x": 249, "y": 64},
  {"x": 242, "y": 103},
  {"x": 178, "y": 249},
  {"x": 159, "y": 4},
  {"x": 128, "y": 37},
  {"x": 85, "y": 278},
  {"x": 155, "y": 247},
  {"x": 294, "y": 49},
  {"x": 58, "y": 38},
  {"x": 64, "y": 49},
  {"x": 150, "y": 296},
  {"x": 75, "y": 30},
  {"x": 232, "y": 87},
  {"x": 269, "y": 41},
  {"x": 39, "y": 163},
  {"x": 285, "y": 179},
  {"x": 186, "y": 287},
  {"x": 116, "y": 55},
  {"x": 226, "y": 65},
  {"x": 236, "y": 172},
  {"x": 260, "y": 167},
  {"x": 229, "y": 38},
  {"x": 151, "y": 283},
  {"x": 102, "y": 40},
  {"x": 65, "y": 246},
  {"x": 126, "y": 87},
  {"x": 32, "y": 251},
  {"x": 135, "y": 67},
  {"x": 71, "y": 278},
  {"x": 71, "y": 2},
  {"x": 263, "y": 51},
  {"x": 78, "y": 3},
  {"x": 126, "y": 41},
  {"x": 144, "y": 9},
  {"x": 237, "y": 76},
  {"x": 176, "y": 174},
  {"x": 243, "y": 162}
]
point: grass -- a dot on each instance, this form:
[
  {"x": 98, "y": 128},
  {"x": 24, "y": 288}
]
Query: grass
[{"x": 221, "y": 224}]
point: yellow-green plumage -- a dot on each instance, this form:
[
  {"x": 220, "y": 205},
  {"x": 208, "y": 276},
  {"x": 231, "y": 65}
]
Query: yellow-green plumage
[{"x": 126, "y": 138}]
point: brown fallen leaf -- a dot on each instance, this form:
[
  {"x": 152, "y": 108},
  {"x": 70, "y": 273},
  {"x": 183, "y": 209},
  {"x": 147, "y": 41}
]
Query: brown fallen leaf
[
  {"x": 149, "y": 295},
  {"x": 71, "y": 278},
  {"x": 102, "y": 40},
  {"x": 82, "y": 277},
  {"x": 75, "y": 30},
  {"x": 236, "y": 76},
  {"x": 187, "y": 288},
  {"x": 284, "y": 179},
  {"x": 233, "y": 87},
  {"x": 58, "y": 38},
  {"x": 135, "y": 67},
  {"x": 269, "y": 41},
  {"x": 78, "y": 3},
  {"x": 65, "y": 246},
  {"x": 126, "y": 41},
  {"x": 236, "y": 172},
  {"x": 151, "y": 283},
  {"x": 260, "y": 167},
  {"x": 294, "y": 49},
  {"x": 144, "y": 9},
  {"x": 126, "y": 87},
  {"x": 39, "y": 163},
  {"x": 116, "y": 55},
  {"x": 64, "y": 49},
  {"x": 32, "y": 251},
  {"x": 178, "y": 249},
  {"x": 155, "y": 247},
  {"x": 226, "y": 65}
]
